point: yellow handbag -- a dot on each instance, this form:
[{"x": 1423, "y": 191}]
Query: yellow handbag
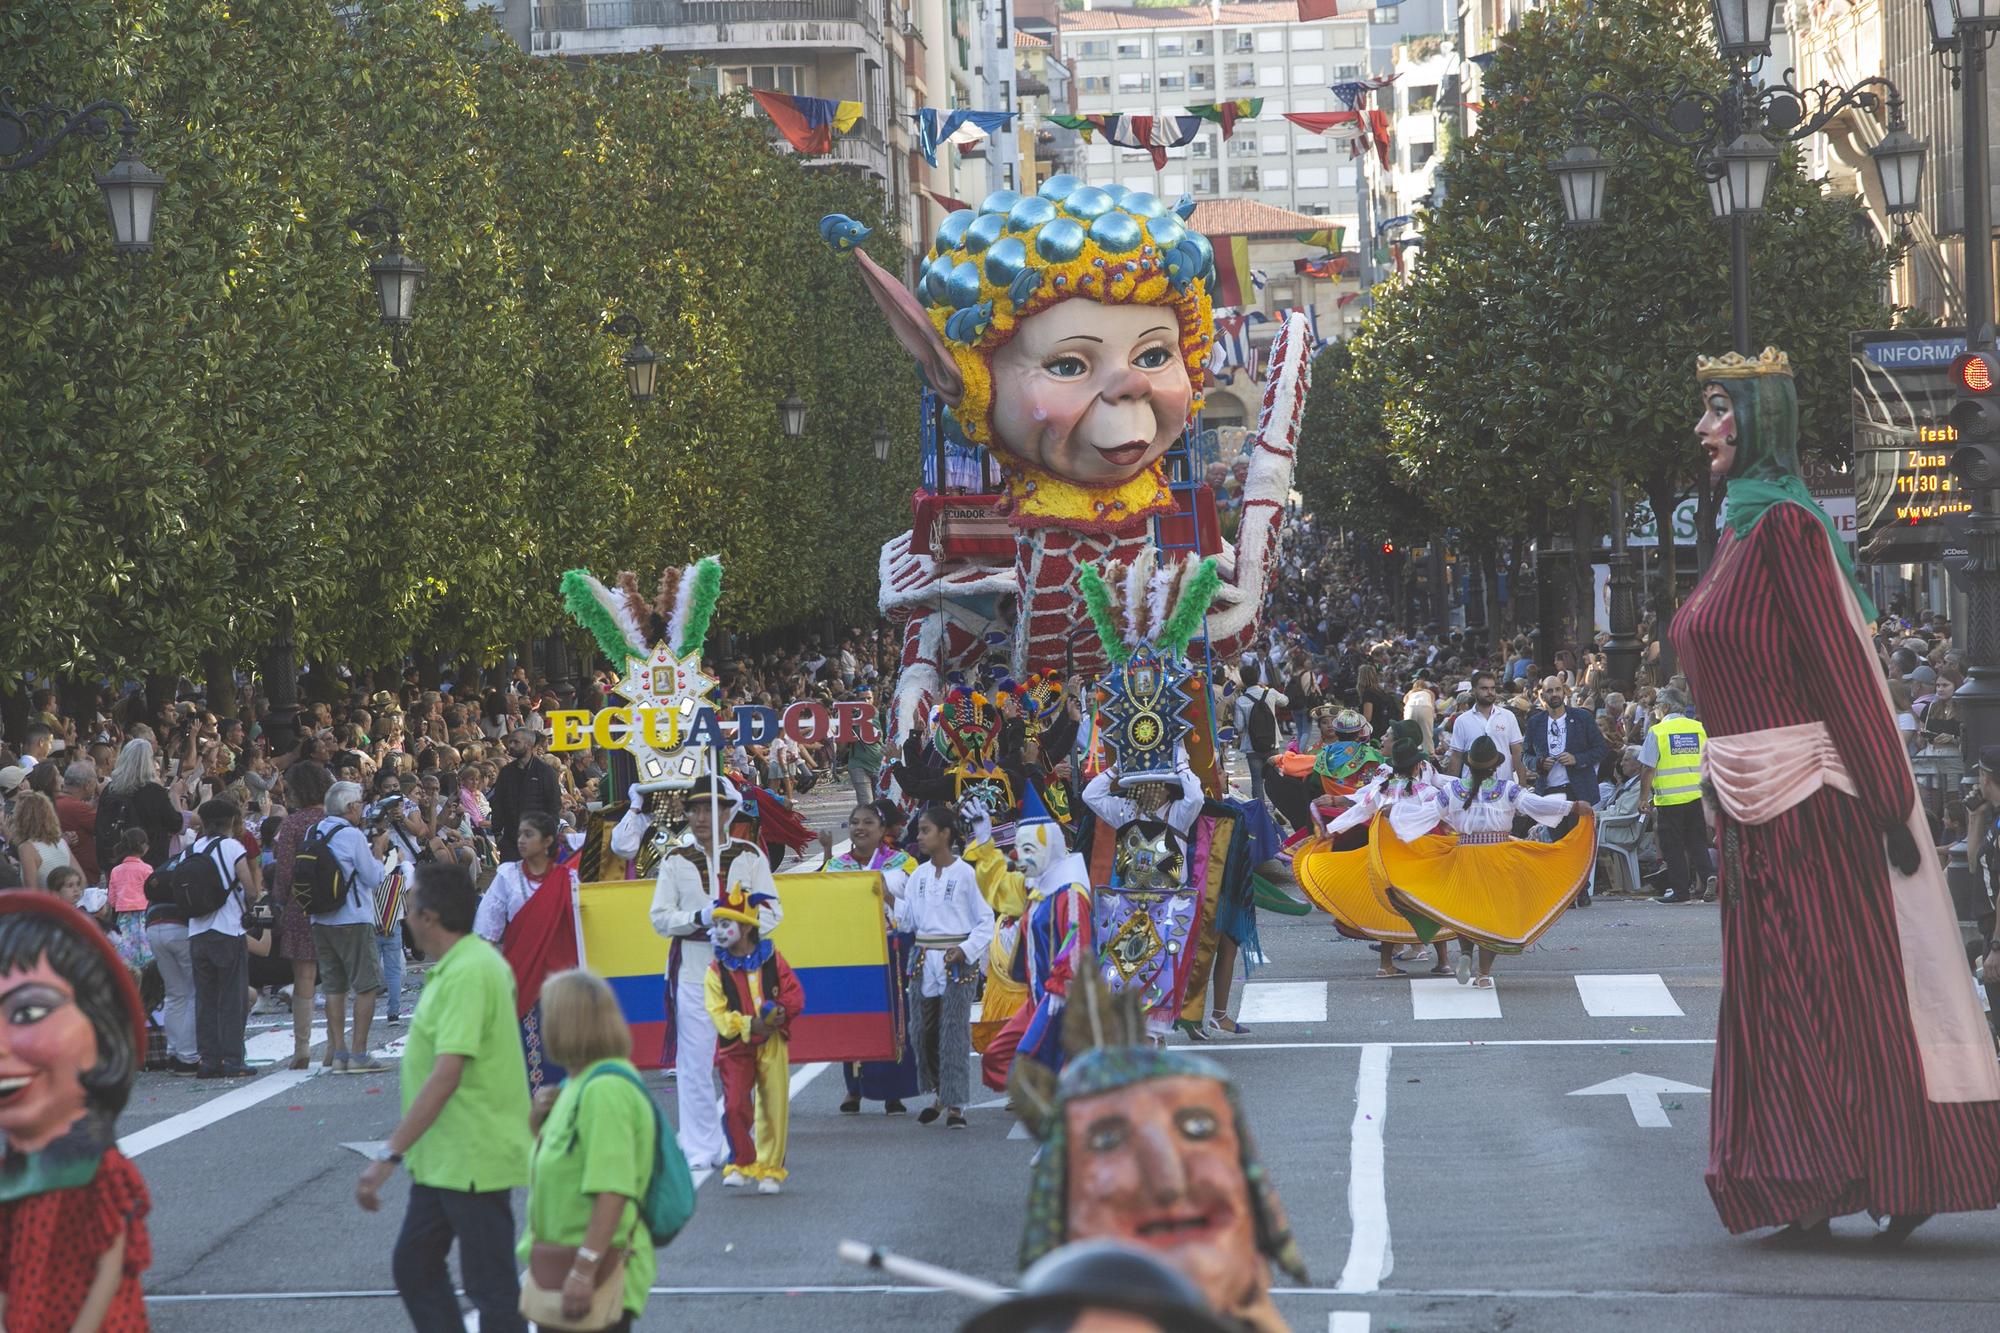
[{"x": 541, "y": 1290}]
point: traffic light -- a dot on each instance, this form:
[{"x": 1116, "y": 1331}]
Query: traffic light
[
  {"x": 1388, "y": 548},
  {"x": 1975, "y": 417}
]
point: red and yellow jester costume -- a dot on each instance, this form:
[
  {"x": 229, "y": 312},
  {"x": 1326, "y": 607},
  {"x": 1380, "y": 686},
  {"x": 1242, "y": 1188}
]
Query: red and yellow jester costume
[{"x": 753, "y": 1065}]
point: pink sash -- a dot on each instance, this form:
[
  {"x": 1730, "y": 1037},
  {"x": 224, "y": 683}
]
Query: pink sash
[{"x": 1759, "y": 775}]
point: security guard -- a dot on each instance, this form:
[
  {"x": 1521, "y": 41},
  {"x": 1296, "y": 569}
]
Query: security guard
[{"x": 1670, "y": 783}]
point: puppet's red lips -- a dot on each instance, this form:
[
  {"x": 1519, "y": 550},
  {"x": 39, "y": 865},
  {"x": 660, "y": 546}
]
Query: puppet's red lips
[
  {"x": 1179, "y": 1227},
  {"x": 1125, "y": 455},
  {"x": 12, "y": 1087}
]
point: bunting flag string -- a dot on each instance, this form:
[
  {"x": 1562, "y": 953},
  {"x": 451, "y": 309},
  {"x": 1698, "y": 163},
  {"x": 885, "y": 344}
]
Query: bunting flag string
[
  {"x": 1226, "y": 114},
  {"x": 1326, "y": 238},
  {"x": 1154, "y": 134},
  {"x": 959, "y": 126},
  {"x": 946, "y": 202},
  {"x": 808, "y": 123},
  {"x": 1233, "y": 285},
  {"x": 1357, "y": 129},
  {"x": 1326, "y": 266},
  {"x": 1311, "y": 11}
]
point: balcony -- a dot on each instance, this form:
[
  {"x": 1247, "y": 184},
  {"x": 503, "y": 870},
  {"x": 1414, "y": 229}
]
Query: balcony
[
  {"x": 863, "y": 151},
  {"x": 602, "y": 27}
]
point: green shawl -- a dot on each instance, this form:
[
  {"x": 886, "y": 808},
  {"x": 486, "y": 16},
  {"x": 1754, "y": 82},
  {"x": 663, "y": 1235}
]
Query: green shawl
[{"x": 1766, "y": 471}]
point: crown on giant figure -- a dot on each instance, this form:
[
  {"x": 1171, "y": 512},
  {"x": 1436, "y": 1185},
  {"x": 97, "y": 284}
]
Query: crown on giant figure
[
  {"x": 991, "y": 267},
  {"x": 1736, "y": 366}
]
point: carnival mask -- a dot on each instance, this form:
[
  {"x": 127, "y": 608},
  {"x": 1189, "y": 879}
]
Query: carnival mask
[
  {"x": 1159, "y": 1164},
  {"x": 1036, "y": 846},
  {"x": 1150, "y": 797},
  {"x": 1717, "y": 431},
  {"x": 46, "y": 1046},
  {"x": 1092, "y": 393}
]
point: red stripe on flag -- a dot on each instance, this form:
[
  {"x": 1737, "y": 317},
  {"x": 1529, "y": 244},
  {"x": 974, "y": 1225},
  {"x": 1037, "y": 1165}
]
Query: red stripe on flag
[
  {"x": 791, "y": 122},
  {"x": 1311, "y": 11}
]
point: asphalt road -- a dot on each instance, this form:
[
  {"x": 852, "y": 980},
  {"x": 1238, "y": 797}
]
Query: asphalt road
[{"x": 1438, "y": 1173}]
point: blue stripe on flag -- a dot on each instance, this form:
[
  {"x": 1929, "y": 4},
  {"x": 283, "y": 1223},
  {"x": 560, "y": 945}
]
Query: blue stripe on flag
[{"x": 829, "y": 990}]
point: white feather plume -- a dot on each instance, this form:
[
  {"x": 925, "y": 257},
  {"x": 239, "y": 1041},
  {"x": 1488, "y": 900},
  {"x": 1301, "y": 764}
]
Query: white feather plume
[
  {"x": 615, "y": 605},
  {"x": 1165, "y": 579},
  {"x": 1137, "y": 575},
  {"x": 683, "y": 600}
]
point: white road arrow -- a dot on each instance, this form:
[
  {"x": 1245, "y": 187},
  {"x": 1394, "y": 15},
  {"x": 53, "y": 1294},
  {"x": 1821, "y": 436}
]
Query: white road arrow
[{"x": 1642, "y": 1093}]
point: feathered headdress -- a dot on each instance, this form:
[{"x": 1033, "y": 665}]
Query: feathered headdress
[
  {"x": 619, "y": 618},
  {"x": 1146, "y": 612}
]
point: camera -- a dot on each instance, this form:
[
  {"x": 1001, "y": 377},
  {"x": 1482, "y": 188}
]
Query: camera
[{"x": 378, "y": 816}]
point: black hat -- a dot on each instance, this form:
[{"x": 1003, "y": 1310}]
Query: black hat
[
  {"x": 1104, "y": 1275},
  {"x": 1483, "y": 755},
  {"x": 1989, "y": 759}
]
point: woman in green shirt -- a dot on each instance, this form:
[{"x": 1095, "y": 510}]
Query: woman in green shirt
[{"x": 593, "y": 1149}]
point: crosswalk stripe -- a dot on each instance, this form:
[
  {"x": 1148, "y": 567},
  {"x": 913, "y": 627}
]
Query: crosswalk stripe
[
  {"x": 1627, "y": 995},
  {"x": 1443, "y": 997},
  {"x": 1283, "y": 1002},
  {"x": 1347, "y": 1321}
]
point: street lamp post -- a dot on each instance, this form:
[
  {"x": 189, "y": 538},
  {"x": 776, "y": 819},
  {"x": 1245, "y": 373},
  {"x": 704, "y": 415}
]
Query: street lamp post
[
  {"x": 1731, "y": 134},
  {"x": 395, "y": 274},
  {"x": 642, "y": 364},
  {"x": 882, "y": 440},
  {"x": 1962, "y": 31},
  {"x": 28, "y": 135}
]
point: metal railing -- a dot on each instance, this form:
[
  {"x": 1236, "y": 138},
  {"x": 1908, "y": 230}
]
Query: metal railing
[{"x": 583, "y": 15}]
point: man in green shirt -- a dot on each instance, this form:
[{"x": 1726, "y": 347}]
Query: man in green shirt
[{"x": 464, "y": 1133}]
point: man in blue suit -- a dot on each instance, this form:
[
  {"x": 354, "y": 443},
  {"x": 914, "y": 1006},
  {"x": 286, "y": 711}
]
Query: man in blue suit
[{"x": 1563, "y": 749}]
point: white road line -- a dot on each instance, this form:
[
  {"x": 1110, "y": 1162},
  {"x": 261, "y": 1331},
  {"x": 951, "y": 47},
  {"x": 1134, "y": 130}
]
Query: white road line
[
  {"x": 1369, "y": 1258},
  {"x": 277, "y": 1044},
  {"x": 1222, "y": 1048},
  {"x": 240, "y": 1098},
  {"x": 1627, "y": 995},
  {"x": 1444, "y": 998},
  {"x": 1347, "y": 1321},
  {"x": 1283, "y": 1002}
]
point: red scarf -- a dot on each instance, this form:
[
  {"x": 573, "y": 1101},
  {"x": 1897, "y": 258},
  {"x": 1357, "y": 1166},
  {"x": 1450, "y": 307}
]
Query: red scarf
[{"x": 541, "y": 939}]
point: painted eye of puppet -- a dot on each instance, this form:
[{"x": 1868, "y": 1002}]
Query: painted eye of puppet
[
  {"x": 1107, "y": 1133},
  {"x": 1196, "y": 1122},
  {"x": 1067, "y": 367},
  {"x": 1153, "y": 358},
  {"x": 29, "y": 1006}
]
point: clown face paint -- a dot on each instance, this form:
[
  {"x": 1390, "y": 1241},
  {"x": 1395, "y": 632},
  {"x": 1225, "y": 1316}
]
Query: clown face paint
[
  {"x": 1158, "y": 1164},
  {"x": 46, "y": 1046},
  {"x": 1717, "y": 431},
  {"x": 1036, "y": 845},
  {"x": 1093, "y": 393},
  {"x": 723, "y": 933}
]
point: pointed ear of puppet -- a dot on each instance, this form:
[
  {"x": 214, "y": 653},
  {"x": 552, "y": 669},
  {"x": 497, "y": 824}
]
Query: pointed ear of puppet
[{"x": 913, "y": 329}]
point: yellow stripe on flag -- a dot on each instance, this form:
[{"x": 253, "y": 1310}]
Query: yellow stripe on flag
[
  {"x": 845, "y": 115},
  {"x": 618, "y": 936},
  {"x": 833, "y": 920}
]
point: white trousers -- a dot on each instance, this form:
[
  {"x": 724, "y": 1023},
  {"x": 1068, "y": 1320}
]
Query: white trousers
[{"x": 702, "y": 1142}]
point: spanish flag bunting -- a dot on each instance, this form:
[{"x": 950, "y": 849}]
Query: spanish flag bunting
[
  {"x": 808, "y": 123},
  {"x": 1326, "y": 238},
  {"x": 1233, "y": 283},
  {"x": 1226, "y": 114}
]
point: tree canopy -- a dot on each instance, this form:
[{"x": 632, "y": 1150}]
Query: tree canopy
[{"x": 217, "y": 437}]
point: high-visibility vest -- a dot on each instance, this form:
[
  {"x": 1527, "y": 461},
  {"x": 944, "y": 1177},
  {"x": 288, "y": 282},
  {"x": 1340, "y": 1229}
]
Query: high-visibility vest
[{"x": 1677, "y": 776}]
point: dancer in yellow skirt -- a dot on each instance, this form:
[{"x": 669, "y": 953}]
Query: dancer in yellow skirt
[
  {"x": 1490, "y": 887},
  {"x": 1338, "y": 871}
]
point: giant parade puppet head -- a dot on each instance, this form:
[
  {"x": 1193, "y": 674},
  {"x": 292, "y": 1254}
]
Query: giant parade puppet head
[
  {"x": 1068, "y": 333},
  {"x": 1749, "y": 428},
  {"x": 1149, "y": 1146}
]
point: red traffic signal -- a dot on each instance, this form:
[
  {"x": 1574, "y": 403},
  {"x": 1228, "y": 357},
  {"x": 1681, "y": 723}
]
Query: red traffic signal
[
  {"x": 1388, "y": 548},
  {"x": 1975, "y": 372}
]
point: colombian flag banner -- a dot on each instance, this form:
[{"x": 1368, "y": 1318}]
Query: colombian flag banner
[{"x": 834, "y": 934}]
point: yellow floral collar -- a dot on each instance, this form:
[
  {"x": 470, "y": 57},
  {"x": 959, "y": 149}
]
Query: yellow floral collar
[{"x": 1037, "y": 499}]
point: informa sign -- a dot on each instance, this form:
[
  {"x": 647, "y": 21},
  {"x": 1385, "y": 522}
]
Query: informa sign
[{"x": 1906, "y": 499}]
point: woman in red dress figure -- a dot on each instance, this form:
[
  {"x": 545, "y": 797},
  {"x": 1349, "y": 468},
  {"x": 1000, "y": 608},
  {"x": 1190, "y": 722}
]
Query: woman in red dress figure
[
  {"x": 72, "y": 1208},
  {"x": 1852, "y": 1068}
]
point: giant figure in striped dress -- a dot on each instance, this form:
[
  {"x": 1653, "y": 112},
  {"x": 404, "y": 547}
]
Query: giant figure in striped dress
[{"x": 1853, "y": 1070}]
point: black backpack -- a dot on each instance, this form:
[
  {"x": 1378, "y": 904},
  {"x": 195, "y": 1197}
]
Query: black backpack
[
  {"x": 1262, "y": 725},
  {"x": 318, "y": 886},
  {"x": 196, "y": 881},
  {"x": 114, "y": 815}
]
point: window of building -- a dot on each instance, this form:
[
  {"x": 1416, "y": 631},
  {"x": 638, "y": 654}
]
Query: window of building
[
  {"x": 1201, "y": 76},
  {"x": 1276, "y": 178},
  {"x": 1423, "y": 97},
  {"x": 1280, "y": 294},
  {"x": 1198, "y": 46},
  {"x": 1203, "y": 148},
  {"x": 1308, "y": 39},
  {"x": 1204, "y": 180},
  {"x": 1172, "y": 82},
  {"x": 1309, "y": 104},
  {"x": 1100, "y": 152},
  {"x": 1094, "y": 83},
  {"x": 1312, "y": 178},
  {"x": 1131, "y": 48},
  {"x": 1173, "y": 184},
  {"x": 1243, "y": 145},
  {"x": 1242, "y": 179},
  {"x": 770, "y": 78},
  {"x": 1241, "y": 42},
  {"x": 1304, "y": 143},
  {"x": 1099, "y": 47},
  {"x": 1383, "y": 17},
  {"x": 1134, "y": 81},
  {"x": 1170, "y": 44},
  {"x": 1240, "y": 76},
  {"x": 1309, "y": 74},
  {"x": 1271, "y": 39},
  {"x": 1273, "y": 145},
  {"x": 1420, "y": 153},
  {"x": 1139, "y": 184},
  {"x": 1346, "y": 73},
  {"x": 1344, "y": 178},
  {"x": 1271, "y": 76}
]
